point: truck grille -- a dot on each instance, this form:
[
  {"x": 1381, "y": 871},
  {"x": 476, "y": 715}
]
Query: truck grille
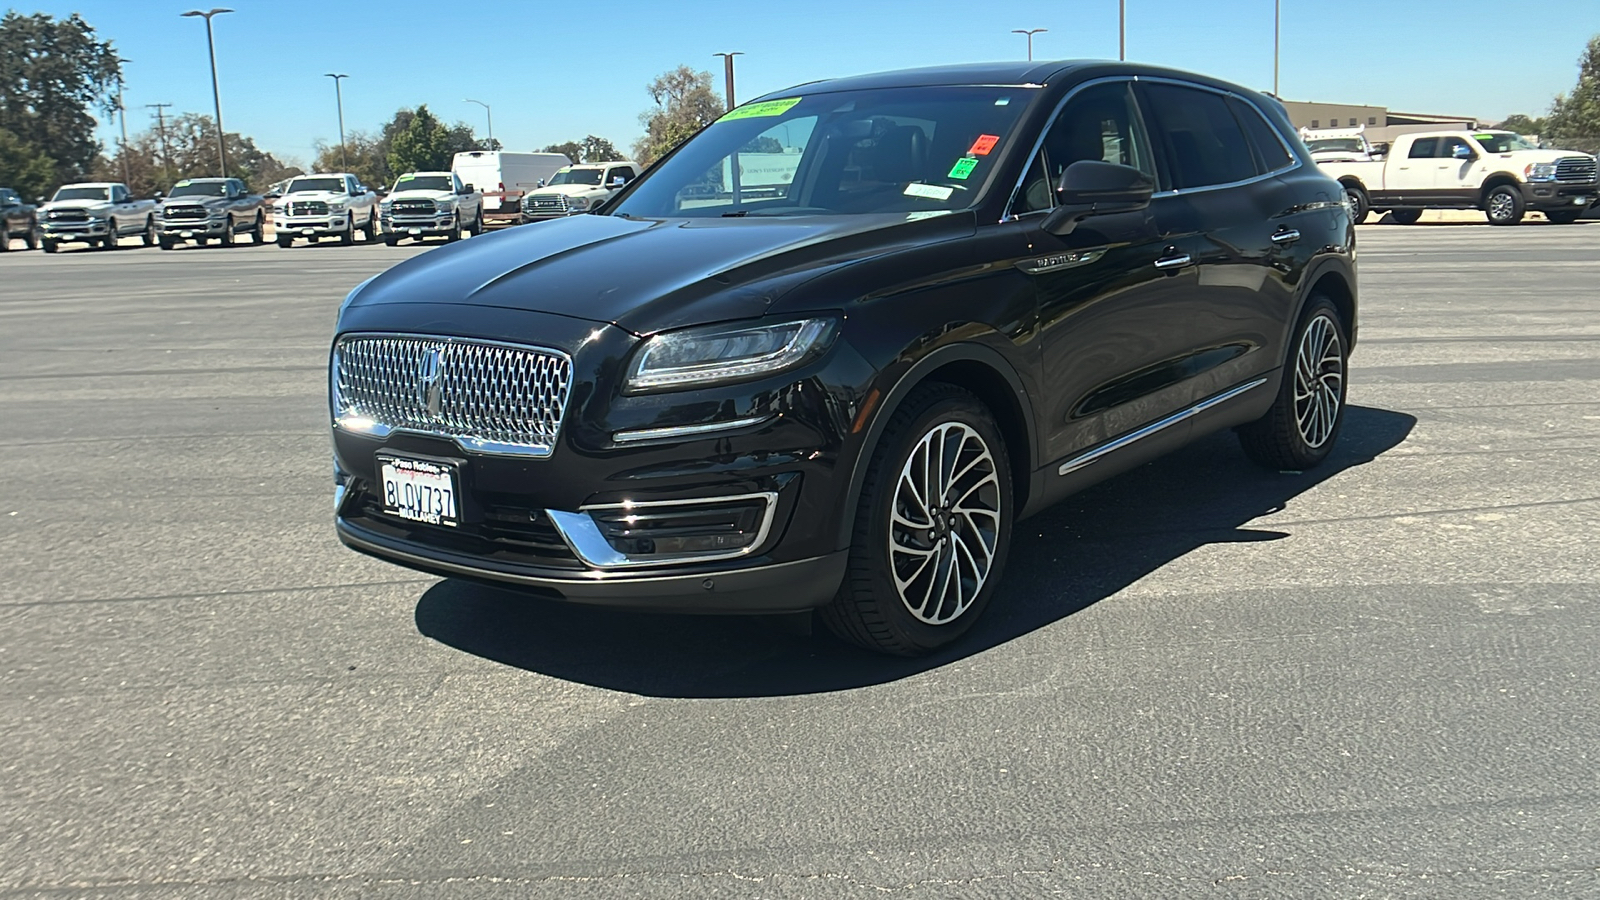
[
  {"x": 1575, "y": 169},
  {"x": 548, "y": 203},
  {"x": 497, "y": 398},
  {"x": 184, "y": 212},
  {"x": 67, "y": 215},
  {"x": 413, "y": 208},
  {"x": 308, "y": 208}
]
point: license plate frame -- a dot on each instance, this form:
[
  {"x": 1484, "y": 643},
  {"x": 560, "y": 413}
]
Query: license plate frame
[{"x": 434, "y": 496}]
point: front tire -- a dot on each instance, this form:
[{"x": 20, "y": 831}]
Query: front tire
[
  {"x": 226, "y": 238},
  {"x": 109, "y": 242},
  {"x": 454, "y": 234},
  {"x": 348, "y": 235},
  {"x": 932, "y": 530},
  {"x": 371, "y": 231},
  {"x": 48, "y": 245},
  {"x": 258, "y": 231},
  {"x": 1406, "y": 216},
  {"x": 166, "y": 243},
  {"x": 1302, "y": 426},
  {"x": 393, "y": 240},
  {"x": 149, "y": 236},
  {"x": 477, "y": 223},
  {"x": 1360, "y": 206},
  {"x": 285, "y": 241},
  {"x": 1504, "y": 206},
  {"x": 1563, "y": 216}
]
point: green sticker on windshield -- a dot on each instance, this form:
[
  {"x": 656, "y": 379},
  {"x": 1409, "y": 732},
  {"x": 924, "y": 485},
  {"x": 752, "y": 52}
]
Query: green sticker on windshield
[
  {"x": 963, "y": 167},
  {"x": 761, "y": 110},
  {"x": 1484, "y": 137},
  {"x": 407, "y": 177}
]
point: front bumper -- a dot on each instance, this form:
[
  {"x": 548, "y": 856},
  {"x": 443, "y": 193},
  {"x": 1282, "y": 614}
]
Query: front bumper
[
  {"x": 75, "y": 231},
  {"x": 307, "y": 226},
  {"x": 417, "y": 226},
  {"x": 193, "y": 228},
  {"x": 1548, "y": 195}
]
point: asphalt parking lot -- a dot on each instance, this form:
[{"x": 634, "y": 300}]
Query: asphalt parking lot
[{"x": 1377, "y": 679}]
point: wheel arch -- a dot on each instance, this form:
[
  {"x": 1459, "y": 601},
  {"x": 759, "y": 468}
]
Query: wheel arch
[
  {"x": 1494, "y": 181},
  {"x": 986, "y": 374},
  {"x": 1336, "y": 280}
]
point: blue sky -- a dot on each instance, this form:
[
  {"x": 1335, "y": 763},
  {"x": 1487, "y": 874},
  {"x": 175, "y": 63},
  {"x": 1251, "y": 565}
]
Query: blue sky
[{"x": 555, "y": 71}]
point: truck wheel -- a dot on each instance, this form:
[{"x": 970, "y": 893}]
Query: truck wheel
[
  {"x": 348, "y": 235},
  {"x": 226, "y": 238},
  {"x": 258, "y": 231},
  {"x": 371, "y": 230},
  {"x": 1504, "y": 205},
  {"x": 149, "y": 236},
  {"x": 391, "y": 239},
  {"x": 48, "y": 245},
  {"x": 285, "y": 240},
  {"x": 477, "y": 223},
  {"x": 109, "y": 242},
  {"x": 5, "y": 238},
  {"x": 932, "y": 530},
  {"x": 1406, "y": 216},
  {"x": 454, "y": 234},
  {"x": 33, "y": 235},
  {"x": 166, "y": 243},
  {"x": 1300, "y": 429},
  {"x": 1359, "y": 205},
  {"x": 1563, "y": 216}
]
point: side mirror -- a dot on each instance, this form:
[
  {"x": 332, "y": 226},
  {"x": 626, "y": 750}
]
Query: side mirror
[
  {"x": 1093, "y": 188},
  {"x": 1461, "y": 151},
  {"x": 618, "y": 181},
  {"x": 156, "y": 196},
  {"x": 467, "y": 189}
]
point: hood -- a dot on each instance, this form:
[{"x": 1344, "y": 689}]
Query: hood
[
  {"x": 568, "y": 190},
  {"x": 194, "y": 201},
  {"x": 651, "y": 275},
  {"x": 85, "y": 205},
  {"x": 419, "y": 195},
  {"x": 312, "y": 196}
]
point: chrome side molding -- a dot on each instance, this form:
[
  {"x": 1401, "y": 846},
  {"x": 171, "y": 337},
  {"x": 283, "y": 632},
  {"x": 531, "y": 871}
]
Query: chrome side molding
[
  {"x": 1112, "y": 446},
  {"x": 681, "y": 431}
]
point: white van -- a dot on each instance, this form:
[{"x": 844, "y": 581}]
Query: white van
[{"x": 504, "y": 177}]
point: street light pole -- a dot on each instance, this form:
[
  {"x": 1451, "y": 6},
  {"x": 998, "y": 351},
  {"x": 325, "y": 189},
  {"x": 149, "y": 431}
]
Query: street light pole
[
  {"x": 1122, "y": 29},
  {"x": 338, "y": 96},
  {"x": 1277, "y": 35},
  {"x": 216, "y": 95},
  {"x": 1030, "y": 32},
  {"x": 727, "y": 72},
  {"x": 486, "y": 112}
]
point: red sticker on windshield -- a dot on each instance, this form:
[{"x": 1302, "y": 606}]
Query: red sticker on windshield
[{"x": 983, "y": 144}]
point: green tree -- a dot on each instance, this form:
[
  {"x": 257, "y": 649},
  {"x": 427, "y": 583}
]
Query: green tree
[
  {"x": 422, "y": 145},
  {"x": 685, "y": 103},
  {"x": 362, "y": 155},
  {"x": 190, "y": 152},
  {"x": 52, "y": 73},
  {"x": 591, "y": 149},
  {"x": 1575, "y": 118},
  {"x": 23, "y": 168},
  {"x": 1522, "y": 124}
]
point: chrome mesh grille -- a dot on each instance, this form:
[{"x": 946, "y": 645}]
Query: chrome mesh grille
[
  {"x": 413, "y": 208},
  {"x": 486, "y": 396},
  {"x": 67, "y": 215},
  {"x": 1575, "y": 169},
  {"x": 184, "y": 212},
  {"x": 308, "y": 208},
  {"x": 545, "y": 203}
]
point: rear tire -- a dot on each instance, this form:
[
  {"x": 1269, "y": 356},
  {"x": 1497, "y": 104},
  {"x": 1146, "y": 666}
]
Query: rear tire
[
  {"x": 1359, "y": 204},
  {"x": 1302, "y": 426},
  {"x": 1563, "y": 216},
  {"x": 1504, "y": 206},
  {"x": 1406, "y": 216},
  {"x": 932, "y": 531}
]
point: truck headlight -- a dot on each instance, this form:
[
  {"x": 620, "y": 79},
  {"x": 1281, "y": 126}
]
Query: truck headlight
[
  {"x": 696, "y": 357},
  {"x": 577, "y": 203},
  {"x": 1540, "y": 172}
]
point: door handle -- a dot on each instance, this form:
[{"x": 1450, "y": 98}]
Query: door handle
[
  {"x": 1174, "y": 260},
  {"x": 1285, "y": 236}
]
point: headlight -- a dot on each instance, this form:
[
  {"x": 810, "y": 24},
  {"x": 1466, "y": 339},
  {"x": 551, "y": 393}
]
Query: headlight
[
  {"x": 1540, "y": 172},
  {"x": 384, "y": 207},
  {"x": 336, "y": 205},
  {"x": 696, "y": 357},
  {"x": 577, "y": 203}
]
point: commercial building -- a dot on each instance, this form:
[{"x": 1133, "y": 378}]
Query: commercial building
[{"x": 1382, "y": 125}]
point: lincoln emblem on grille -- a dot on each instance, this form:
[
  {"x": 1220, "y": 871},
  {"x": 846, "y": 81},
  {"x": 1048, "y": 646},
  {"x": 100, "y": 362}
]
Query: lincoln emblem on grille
[{"x": 428, "y": 373}]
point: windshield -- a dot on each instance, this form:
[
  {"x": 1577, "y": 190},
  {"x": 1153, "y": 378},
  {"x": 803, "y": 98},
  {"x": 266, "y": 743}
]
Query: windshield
[
  {"x": 199, "y": 189},
  {"x": 1502, "y": 142},
  {"x": 914, "y": 151},
  {"x": 83, "y": 193},
  {"x": 1338, "y": 145},
  {"x": 316, "y": 184},
  {"x": 576, "y": 176},
  {"x": 423, "y": 183}
]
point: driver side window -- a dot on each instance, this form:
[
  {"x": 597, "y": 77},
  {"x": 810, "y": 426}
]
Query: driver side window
[{"x": 1097, "y": 124}]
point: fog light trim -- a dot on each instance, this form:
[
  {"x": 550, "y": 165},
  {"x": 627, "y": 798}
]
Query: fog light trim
[{"x": 589, "y": 544}]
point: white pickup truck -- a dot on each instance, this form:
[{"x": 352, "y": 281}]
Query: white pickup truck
[
  {"x": 95, "y": 213},
  {"x": 423, "y": 204},
  {"x": 1495, "y": 171},
  {"x": 334, "y": 204},
  {"x": 577, "y": 189}
]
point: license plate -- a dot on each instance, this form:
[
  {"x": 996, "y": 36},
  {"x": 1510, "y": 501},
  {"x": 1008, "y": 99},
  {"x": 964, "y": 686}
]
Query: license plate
[
  {"x": 308, "y": 231},
  {"x": 420, "y": 490},
  {"x": 491, "y": 203},
  {"x": 416, "y": 231},
  {"x": 187, "y": 234}
]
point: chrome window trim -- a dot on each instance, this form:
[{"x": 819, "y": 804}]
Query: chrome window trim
[
  {"x": 1038, "y": 144},
  {"x": 468, "y": 444},
  {"x": 1112, "y": 446},
  {"x": 590, "y": 546}
]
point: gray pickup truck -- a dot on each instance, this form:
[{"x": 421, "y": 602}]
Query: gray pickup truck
[{"x": 200, "y": 209}]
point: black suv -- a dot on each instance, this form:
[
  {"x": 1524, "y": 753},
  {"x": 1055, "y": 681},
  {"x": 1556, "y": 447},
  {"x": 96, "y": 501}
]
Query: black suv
[{"x": 827, "y": 353}]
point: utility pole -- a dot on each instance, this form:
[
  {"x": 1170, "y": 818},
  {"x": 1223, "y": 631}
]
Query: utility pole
[
  {"x": 216, "y": 95},
  {"x": 122, "y": 113},
  {"x": 1030, "y": 32},
  {"x": 1122, "y": 29},
  {"x": 727, "y": 73},
  {"x": 1277, "y": 36},
  {"x": 161, "y": 129},
  {"x": 338, "y": 96},
  {"x": 486, "y": 112}
]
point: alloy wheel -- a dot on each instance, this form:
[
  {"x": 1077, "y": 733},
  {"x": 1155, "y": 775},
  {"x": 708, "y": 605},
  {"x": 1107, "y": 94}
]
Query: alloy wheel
[
  {"x": 1501, "y": 205},
  {"x": 945, "y": 525},
  {"x": 1318, "y": 381}
]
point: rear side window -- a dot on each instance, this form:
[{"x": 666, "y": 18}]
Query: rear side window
[
  {"x": 1270, "y": 153},
  {"x": 1204, "y": 144},
  {"x": 1423, "y": 148}
]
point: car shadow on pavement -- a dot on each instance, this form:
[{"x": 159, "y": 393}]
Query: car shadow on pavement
[{"x": 1062, "y": 561}]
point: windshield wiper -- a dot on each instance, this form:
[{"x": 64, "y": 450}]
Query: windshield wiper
[{"x": 736, "y": 214}]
